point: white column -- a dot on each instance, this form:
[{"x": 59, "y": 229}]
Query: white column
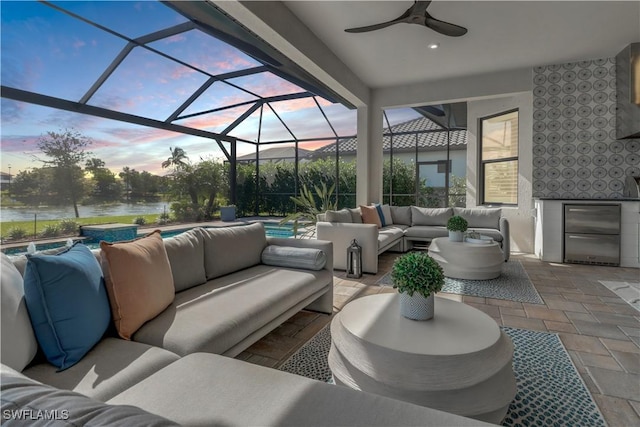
[{"x": 369, "y": 156}]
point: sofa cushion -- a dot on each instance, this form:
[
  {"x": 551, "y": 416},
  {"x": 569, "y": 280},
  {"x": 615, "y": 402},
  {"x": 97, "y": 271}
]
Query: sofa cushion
[
  {"x": 430, "y": 216},
  {"x": 111, "y": 367},
  {"x": 250, "y": 395},
  {"x": 67, "y": 303},
  {"x": 384, "y": 212},
  {"x": 491, "y": 232},
  {"x": 292, "y": 257},
  {"x": 19, "y": 344},
  {"x": 22, "y": 395},
  {"x": 356, "y": 217},
  {"x": 216, "y": 316},
  {"x": 186, "y": 258},
  {"x": 229, "y": 249},
  {"x": 426, "y": 232},
  {"x": 342, "y": 216},
  {"x": 388, "y": 235},
  {"x": 370, "y": 215},
  {"x": 480, "y": 217},
  {"x": 401, "y": 215},
  {"x": 139, "y": 281}
]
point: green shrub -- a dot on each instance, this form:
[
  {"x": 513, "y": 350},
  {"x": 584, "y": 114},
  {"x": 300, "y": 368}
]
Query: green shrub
[
  {"x": 16, "y": 233},
  {"x": 50, "y": 230},
  {"x": 68, "y": 226},
  {"x": 457, "y": 223},
  {"x": 417, "y": 272},
  {"x": 163, "y": 219},
  {"x": 187, "y": 212},
  {"x": 140, "y": 220}
]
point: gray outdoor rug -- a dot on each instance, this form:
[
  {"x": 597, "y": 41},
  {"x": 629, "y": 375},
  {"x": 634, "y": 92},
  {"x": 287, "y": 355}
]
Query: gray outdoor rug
[
  {"x": 550, "y": 391},
  {"x": 513, "y": 284}
]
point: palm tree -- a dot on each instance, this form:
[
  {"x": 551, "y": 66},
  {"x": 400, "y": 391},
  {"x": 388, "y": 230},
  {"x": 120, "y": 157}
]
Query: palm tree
[{"x": 178, "y": 159}]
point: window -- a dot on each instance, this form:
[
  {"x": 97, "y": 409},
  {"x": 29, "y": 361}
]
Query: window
[{"x": 499, "y": 158}]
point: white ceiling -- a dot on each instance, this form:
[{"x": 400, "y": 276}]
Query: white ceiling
[{"x": 503, "y": 35}]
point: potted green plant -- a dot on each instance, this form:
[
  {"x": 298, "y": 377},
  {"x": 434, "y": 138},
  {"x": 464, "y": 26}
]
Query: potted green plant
[
  {"x": 457, "y": 226},
  {"x": 417, "y": 277}
]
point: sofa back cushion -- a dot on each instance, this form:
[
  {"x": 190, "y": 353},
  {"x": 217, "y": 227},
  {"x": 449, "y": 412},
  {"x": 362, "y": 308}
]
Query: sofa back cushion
[
  {"x": 19, "y": 344},
  {"x": 370, "y": 215},
  {"x": 342, "y": 216},
  {"x": 139, "y": 281},
  {"x": 480, "y": 217},
  {"x": 430, "y": 216},
  {"x": 67, "y": 303},
  {"x": 229, "y": 249},
  {"x": 186, "y": 257},
  {"x": 356, "y": 216},
  {"x": 401, "y": 215}
]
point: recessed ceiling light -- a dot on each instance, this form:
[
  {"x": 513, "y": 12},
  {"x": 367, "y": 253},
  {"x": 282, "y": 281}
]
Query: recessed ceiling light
[{"x": 434, "y": 45}]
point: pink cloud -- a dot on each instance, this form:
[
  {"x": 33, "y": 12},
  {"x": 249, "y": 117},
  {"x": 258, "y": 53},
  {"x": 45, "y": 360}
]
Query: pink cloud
[{"x": 77, "y": 44}]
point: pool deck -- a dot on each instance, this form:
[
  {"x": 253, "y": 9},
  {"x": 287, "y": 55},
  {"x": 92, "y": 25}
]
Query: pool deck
[{"x": 146, "y": 229}]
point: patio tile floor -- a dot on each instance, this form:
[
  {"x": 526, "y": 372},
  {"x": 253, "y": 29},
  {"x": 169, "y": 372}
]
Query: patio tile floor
[{"x": 600, "y": 330}]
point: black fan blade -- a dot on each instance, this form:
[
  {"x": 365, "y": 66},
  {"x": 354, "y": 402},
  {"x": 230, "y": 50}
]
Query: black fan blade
[
  {"x": 445, "y": 28},
  {"x": 398, "y": 20}
]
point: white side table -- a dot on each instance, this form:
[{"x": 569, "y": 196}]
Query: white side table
[
  {"x": 462, "y": 260},
  {"x": 458, "y": 362}
]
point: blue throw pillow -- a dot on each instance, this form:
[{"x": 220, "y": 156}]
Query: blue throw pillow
[{"x": 67, "y": 303}]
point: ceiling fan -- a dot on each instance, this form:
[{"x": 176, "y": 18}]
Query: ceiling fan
[{"x": 416, "y": 14}]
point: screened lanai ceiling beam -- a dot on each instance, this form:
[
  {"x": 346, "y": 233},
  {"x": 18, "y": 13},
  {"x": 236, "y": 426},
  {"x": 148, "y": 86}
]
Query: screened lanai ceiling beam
[
  {"x": 76, "y": 107},
  {"x": 240, "y": 119},
  {"x": 282, "y": 121},
  {"x": 209, "y": 82},
  {"x": 240, "y": 104}
]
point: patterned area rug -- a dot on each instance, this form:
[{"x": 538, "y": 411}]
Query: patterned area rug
[
  {"x": 513, "y": 284},
  {"x": 628, "y": 291},
  {"x": 550, "y": 390}
]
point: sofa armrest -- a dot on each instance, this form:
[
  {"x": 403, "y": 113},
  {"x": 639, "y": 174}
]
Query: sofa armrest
[
  {"x": 325, "y": 246},
  {"x": 506, "y": 244},
  {"x": 342, "y": 234}
]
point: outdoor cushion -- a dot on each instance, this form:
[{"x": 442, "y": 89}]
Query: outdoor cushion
[
  {"x": 67, "y": 303},
  {"x": 229, "y": 249},
  {"x": 292, "y": 257},
  {"x": 216, "y": 316},
  {"x": 388, "y": 235},
  {"x": 139, "y": 281},
  {"x": 356, "y": 217},
  {"x": 491, "y": 232},
  {"x": 370, "y": 215},
  {"x": 480, "y": 217},
  {"x": 426, "y": 232},
  {"x": 401, "y": 214},
  {"x": 384, "y": 211},
  {"x": 186, "y": 257},
  {"x": 343, "y": 216},
  {"x": 22, "y": 395},
  {"x": 19, "y": 344},
  {"x": 430, "y": 216},
  {"x": 111, "y": 367}
]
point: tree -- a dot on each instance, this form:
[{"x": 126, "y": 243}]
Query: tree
[
  {"x": 104, "y": 184},
  {"x": 177, "y": 160},
  {"x": 66, "y": 151}
]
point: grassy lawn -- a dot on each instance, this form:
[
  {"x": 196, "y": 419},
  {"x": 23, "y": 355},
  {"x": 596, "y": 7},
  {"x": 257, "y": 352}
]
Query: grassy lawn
[{"x": 5, "y": 226}]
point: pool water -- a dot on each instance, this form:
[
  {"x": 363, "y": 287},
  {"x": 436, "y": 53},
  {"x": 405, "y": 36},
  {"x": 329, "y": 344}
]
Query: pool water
[{"x": 272, "y": 229}]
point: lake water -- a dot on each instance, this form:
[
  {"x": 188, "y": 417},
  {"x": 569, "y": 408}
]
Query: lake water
[{"x": 58, "y": 212}]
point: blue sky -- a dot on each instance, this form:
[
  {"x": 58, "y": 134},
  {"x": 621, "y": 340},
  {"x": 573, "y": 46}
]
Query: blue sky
[{"x": 49, "y": 52}]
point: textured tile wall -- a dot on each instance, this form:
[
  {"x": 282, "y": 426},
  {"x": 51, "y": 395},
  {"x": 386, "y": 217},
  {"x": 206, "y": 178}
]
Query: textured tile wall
[{"x": 575, "y": 151}]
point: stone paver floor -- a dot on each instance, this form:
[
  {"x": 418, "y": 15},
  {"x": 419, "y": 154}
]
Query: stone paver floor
[{"x": 600, "y": 330}]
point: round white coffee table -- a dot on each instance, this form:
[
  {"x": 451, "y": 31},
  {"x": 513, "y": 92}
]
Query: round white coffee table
[
  {"x": 462, "y": 260},
  {"x": 459, "y": 362}
]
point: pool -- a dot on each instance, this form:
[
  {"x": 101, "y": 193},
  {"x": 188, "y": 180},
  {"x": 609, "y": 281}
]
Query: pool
[{"x": 272, "y": 229}]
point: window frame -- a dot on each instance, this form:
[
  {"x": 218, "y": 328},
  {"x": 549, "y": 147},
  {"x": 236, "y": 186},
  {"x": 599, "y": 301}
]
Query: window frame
[{"x": 482, "y": 162}]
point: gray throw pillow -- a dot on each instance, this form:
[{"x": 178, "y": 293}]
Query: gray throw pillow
[
  {"x": 292, "y": 257},
  {"x": 430, "y": 216},
  {"x": 342, "y": 216}
]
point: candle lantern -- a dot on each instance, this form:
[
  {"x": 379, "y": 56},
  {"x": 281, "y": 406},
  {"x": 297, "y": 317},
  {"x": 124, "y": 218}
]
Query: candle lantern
[{"x": 354, "y": 260}]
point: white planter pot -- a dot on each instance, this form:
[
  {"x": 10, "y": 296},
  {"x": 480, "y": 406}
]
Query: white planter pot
[
  {"x": 417, "y": 307},
  {"x": 456, "y": 236}
]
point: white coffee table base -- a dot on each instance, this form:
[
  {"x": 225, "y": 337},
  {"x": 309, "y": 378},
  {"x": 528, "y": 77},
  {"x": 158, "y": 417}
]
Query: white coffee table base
[
  {"x": 459, "y": 362},
  {"x": 461, "y": 260}
]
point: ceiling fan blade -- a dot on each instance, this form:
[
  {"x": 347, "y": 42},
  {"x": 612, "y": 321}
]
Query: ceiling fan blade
[
  {"x": 420, "y": 7},
  {"x": 445, "y": 28},
  {"x": 398, "y": 20}
]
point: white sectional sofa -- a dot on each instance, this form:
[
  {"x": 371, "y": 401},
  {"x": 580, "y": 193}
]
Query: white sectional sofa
[
  {"x": 172, "y": 369},
  {"x": 409, "y": 224}
]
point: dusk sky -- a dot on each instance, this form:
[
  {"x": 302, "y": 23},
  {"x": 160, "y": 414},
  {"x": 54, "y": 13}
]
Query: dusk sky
[{"x": 49, "y": 52}]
